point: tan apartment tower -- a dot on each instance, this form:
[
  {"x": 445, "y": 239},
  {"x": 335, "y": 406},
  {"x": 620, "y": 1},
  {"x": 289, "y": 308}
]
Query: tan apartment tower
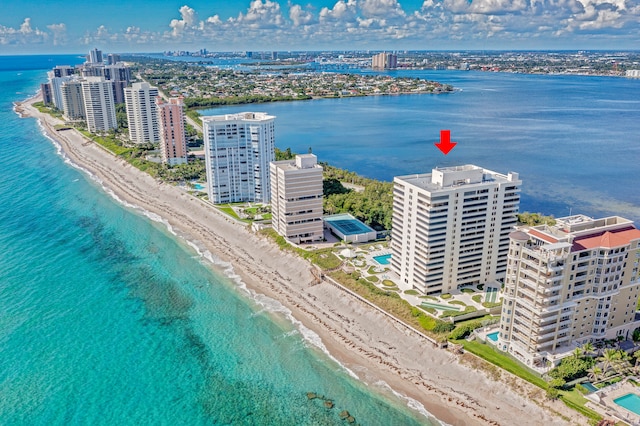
[
  {"x": 567, "y": 284},
  {"x": 72, "y": 100},
  {"x": 384, "y": 61},
  {"x": 173, "y": 139},
  {"x": 451, "y": 227},
  {"x": 100, "y": 110},
  {"x": 238, "y": 149},
  {"x": 296, "y": 198},
  {"x": 140, "y": 100}
]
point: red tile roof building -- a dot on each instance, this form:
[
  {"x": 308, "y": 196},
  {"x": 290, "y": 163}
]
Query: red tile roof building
[{"x": 568, "y": 284}]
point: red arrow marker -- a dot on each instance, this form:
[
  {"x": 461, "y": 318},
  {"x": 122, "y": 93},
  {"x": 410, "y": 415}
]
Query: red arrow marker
[{"x": 445, "y": 144}]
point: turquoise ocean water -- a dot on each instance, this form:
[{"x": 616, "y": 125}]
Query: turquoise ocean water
[{"x": 107, "y": 318}]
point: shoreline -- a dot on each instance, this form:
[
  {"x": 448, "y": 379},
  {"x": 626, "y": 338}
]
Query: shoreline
[{"x": 360, "y": 338}]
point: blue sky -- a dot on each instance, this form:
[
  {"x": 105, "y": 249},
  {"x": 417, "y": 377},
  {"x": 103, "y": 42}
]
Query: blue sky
[{"x": 45, "y": 26}]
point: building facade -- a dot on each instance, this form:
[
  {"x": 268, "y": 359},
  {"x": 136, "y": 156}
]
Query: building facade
[
  {"x": 47, "y": 95},
  {"x": 100, "y": 111},
  {"x": 173, "y": 139},
  {"x": 296, "y": 198},
  {"x": 56, "y": 88},
  {"x": 142, "y": 115},
  {"x": 384, "y": 61},
  {"x": 568, "y": 284},
  {"x": 238, "y": 150},
  {"x": 451, "y": 227},
  {"x": 72, "y": 100},
  {"x": 95, "y": 56}
]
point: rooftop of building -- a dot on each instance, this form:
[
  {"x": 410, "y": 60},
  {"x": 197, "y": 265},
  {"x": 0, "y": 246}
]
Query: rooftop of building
[
  {"x": 240, "y": 116},
  {"x": 300, "y": 162},
  {"x": 456, "y": 176},
  {"x": 583, "y": 232}
]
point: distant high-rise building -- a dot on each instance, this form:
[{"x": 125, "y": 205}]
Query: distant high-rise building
[
  {"x": 99, "y": 107},
  {"x": 296, "y": 198},
  {"x": 238, "y": 150},
  {"x": 95, "y": 56},
  {"x": 384, "y": 61},
  {"x": 567, "y": 284},
  {"x": 72, "y": 100},
  {"x": 451, "y": 227},
  {"x": 113, "y": 58},
  {"x": 47, "y": 95},
  {"x": 63, "y": 71},
  {"x": 140, "y": 100},
  {"x": 173, "y": 139},
  {"x": 56, "y": 85}
]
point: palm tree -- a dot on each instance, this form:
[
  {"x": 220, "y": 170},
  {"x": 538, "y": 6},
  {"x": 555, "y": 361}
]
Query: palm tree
[
  {"x": 595, "y": 373},
  {"x": 588, "y": 348},
  {"x": 611, "y": 360}
]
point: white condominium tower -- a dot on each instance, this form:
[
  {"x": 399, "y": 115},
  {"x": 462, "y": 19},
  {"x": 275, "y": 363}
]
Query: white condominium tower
[
  {"x": 573, "y": 282},
  {"x": 72, "y": 100},
  {"x": 451, "y": 227},
  {"x": 173, "y": 140},
  {"x": 238, "y": 150},
  {"x": 99, "y": 108},
  {"x": 140, "y": 100},
  {"x": 296, "y": 198}
]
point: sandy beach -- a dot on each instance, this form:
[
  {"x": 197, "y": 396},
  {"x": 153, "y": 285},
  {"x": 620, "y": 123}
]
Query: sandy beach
[{"x": 371, "y": 345}]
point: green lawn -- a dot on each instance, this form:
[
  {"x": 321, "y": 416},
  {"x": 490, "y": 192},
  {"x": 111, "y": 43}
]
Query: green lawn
[
  {"x": 504, "y": 361},
  {"x": 573, "y": 399}
]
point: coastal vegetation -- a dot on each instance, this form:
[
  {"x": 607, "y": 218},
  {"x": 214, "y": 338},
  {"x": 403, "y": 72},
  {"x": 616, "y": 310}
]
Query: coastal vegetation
[
  {"x": 534, "y": 219},
  {"x": 206, "y": 87},
  {"x": 372, "y": 205}
]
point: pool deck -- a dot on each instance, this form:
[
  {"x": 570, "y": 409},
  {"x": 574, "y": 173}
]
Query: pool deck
[{"x": 602, "y": 402}]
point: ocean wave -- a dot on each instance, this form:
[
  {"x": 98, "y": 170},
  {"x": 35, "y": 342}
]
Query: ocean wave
[{"x": 411, "y": 403}]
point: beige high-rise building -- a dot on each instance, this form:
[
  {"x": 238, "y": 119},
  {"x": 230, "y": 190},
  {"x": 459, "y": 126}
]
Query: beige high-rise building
[
  {"x": 451, "y": 227},
  {"x": 238, "y": 150},
  {"x": 173, "y": 139},
  {"x": 296, "y": 198},
  {"x": 568, "y": 284},
  {"x": 100, "y": 111},
  {"x": 72, "y": 100},
  {"x": 384, "y": 61},
  {"x": 140, "y": 100}
]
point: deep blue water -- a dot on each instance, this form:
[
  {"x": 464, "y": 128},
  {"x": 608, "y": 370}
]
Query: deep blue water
[
  {"x": 575, "y": 140},
  {"x": 107, "y": 318}
]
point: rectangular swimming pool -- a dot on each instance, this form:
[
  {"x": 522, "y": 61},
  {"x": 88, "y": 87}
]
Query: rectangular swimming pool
[
  {"x": 384, "y": 259},
  {"x": 630, "y": 401}
]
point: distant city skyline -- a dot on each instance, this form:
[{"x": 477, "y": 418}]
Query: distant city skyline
[{"x": 53, "y": 26}]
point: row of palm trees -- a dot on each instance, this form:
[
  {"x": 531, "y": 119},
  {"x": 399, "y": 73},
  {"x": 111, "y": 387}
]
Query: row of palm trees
[{"x": 611, "y": 362}]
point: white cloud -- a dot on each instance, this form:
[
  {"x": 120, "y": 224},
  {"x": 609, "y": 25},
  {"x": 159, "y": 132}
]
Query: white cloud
[
  {"x": 59, "y": 32},
  {"x": 189, "y": 18},
  {"x": 300, "y": 16},
  {"x": 381, "y": 8},
  {"x": 22, "y": 35},
  {"x": 341, "y": 11},
  {"x": 261, "y": 14},
  {"x": 265, "y": 24}
]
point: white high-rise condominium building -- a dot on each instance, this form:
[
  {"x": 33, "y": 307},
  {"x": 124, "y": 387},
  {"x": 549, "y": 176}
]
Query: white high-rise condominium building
[
  {"x": 567, "y": 284},
  {"x": 142, "y": 114},
  {"x": 56, "y": 88},
  {"x": 72, "y": 100},
  {"x": 451, "y": 227},
  {"x": 296, "y": 198},
  {"x": 95, "y": 56},
  {"x": 173, "y": 139},
  {"x": 238, "y": 150},
  {"x": 100, "y": 110}
]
